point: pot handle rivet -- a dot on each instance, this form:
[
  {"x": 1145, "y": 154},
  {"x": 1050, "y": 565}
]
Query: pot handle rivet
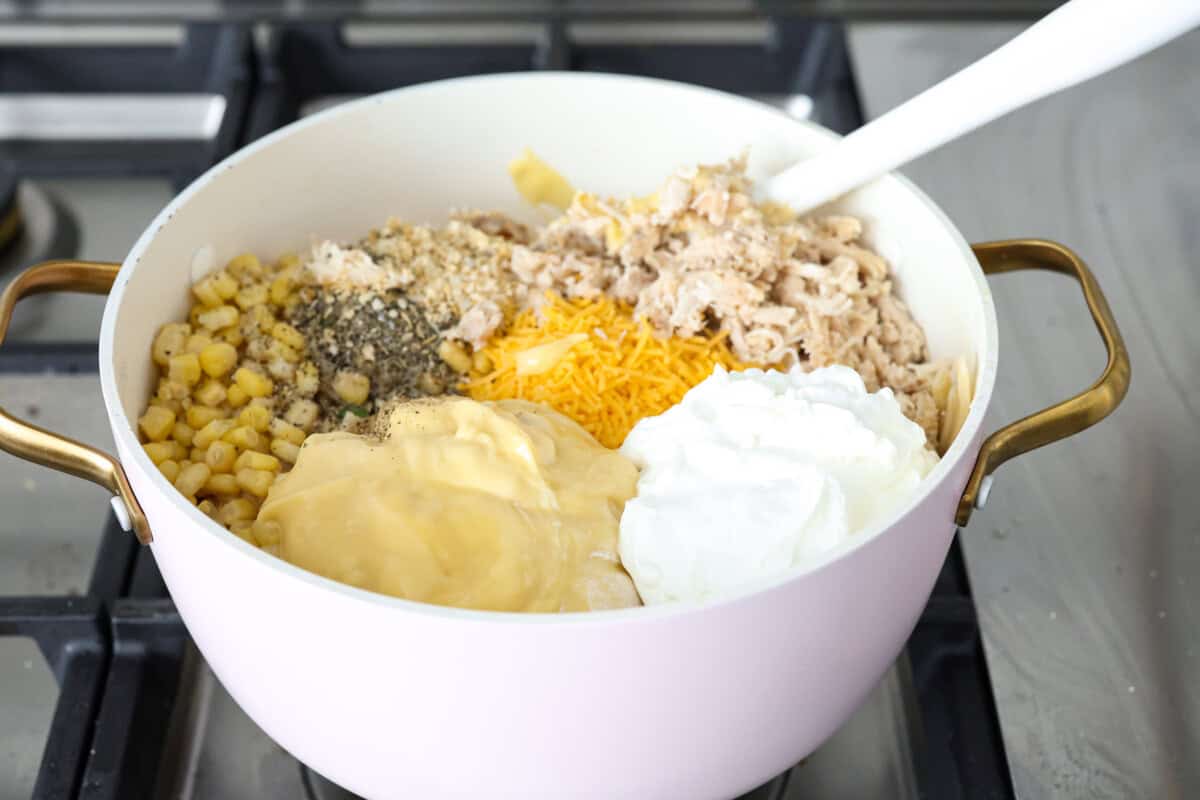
[
  {"x": 985, "y": 490},
  {"x": 122, "y": 513}
]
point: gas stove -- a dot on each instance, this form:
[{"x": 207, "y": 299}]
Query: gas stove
[{"x": 102, "y": 694}]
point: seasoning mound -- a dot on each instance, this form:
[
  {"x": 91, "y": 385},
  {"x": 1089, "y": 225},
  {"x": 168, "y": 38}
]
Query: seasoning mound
[{"x": 368, "y": 347}]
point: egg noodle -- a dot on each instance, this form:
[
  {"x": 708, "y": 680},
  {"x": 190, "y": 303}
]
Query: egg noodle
[{"x": 592, "y": 361}]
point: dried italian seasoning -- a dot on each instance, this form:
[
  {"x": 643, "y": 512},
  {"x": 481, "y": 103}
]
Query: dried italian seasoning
[{"x": 384, "y": 336}]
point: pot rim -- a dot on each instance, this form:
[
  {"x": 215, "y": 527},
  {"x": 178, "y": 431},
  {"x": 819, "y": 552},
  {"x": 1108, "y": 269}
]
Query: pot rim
[{"x": 124, "y": 429}]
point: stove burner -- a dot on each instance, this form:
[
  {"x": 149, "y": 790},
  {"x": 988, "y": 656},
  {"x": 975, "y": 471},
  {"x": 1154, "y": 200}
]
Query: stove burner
[
  {"x": 34, "y": 227},
  {"x": 10, "y": 210}
]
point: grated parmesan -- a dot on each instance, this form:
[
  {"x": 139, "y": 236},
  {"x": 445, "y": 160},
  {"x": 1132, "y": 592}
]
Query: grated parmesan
[{"x": 347, "y": 268}]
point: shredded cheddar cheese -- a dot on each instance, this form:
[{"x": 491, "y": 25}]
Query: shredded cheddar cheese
[{"x": 591, "y": 360}]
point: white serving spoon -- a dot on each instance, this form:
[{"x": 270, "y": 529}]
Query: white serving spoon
[{"x": 1077, "y": 41}]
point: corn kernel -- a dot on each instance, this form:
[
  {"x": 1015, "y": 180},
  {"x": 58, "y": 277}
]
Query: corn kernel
[
  {"x": 194, "y": 314},
  {"x": 197, "y": 342},
  {"x": 172, "y": 390},
  {"x": 308, "y": 380},
  {"x": 266, "y": 532},
  {"x": 169, "y": 468},
  {"x": 430, "y": 385},
  {"x": 225, "y": 284},
  {"x": 171, "y": 340},
  {"x": 237, "y": 510},
  {"x": 255, "y": 416},
  {"x": 163, "y": 394},
  {"x": 199, "y": 416},
  {"x": 206, "y": 292},
  {"x": 253, "y": 460},
  {"x": 217, "y": 359},
  {"x": 352, "y": 387},
  {"x": 281, "y": 429},
  {"x": 280, "y": 369},
  {"x": 245, "y": 438},
  {"x": 179, "y": 452},
  {"x": 236, "y": 396},
  {"x": 157, "y": 423},
  {"x": 251, "y": 296},
  {"x": 302, "y": 414},
  {"x": 185, "y": 369},
  {"x": 197, "y": 454},
  {"x": 183, "y": 433},
  {"x": 260, "y": 317},
  {"x": 243, "y": 529},
  {"x": 221, "y": 483},
  {"x": 191, "y": 478},
  {"x": 254, "y": 384},
  {"x": 285, "y": 450},
  {"x": 287, "y": 334},
  {"x": 177, "y": 406},
  {"x": 212, "y": 432},
  {"x": 159, "y": 451},
  {"x": 210, "y": 393},
  {"x": 256, "y": 348},
  {"x": 208, "y": 507},
  {"x": 455, "y": 355},
  {"x": 245, "y": 265},
  {"x": 281, "y": 288},
  {"x": 220, "y": 456},
  {"x": 278, "y": 349},
  {"x": 231, "y": 336},
  {"x": 289, "y": 261},
  {"x": 220, "y": 317},
  {"x": 255, "y": 481}
]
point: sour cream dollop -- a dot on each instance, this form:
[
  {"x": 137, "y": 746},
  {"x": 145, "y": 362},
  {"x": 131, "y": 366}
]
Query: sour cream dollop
[{"x": 755, "y": 472}]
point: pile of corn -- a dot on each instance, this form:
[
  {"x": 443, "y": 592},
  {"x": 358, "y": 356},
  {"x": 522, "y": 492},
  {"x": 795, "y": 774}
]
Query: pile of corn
[{"x": 214, "y": 426}]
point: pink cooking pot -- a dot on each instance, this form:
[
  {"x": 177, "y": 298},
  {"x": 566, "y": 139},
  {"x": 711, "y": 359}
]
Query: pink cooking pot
[{"x": 391, "y": 698}]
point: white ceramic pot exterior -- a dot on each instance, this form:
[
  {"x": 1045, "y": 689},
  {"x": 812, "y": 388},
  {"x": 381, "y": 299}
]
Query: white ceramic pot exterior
[{"x": 397, "y": 699}]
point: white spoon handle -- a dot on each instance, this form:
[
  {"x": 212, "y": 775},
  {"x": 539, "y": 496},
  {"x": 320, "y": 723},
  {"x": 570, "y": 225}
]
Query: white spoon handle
[{"x": 1078, "y": 41}]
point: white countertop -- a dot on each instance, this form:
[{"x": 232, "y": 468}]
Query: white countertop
[{"x": 1086, "y": 562}]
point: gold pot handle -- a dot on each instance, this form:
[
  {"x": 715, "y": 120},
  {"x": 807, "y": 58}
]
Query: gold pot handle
[
  {"x": 35, "y": 444},
  {"x": 1070, "y": 416}
]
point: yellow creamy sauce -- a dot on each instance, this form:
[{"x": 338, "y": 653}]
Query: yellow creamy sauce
[{"x": 505, "y": 506}]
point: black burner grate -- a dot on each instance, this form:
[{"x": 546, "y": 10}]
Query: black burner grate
[{"x": 210, "y": 59}]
